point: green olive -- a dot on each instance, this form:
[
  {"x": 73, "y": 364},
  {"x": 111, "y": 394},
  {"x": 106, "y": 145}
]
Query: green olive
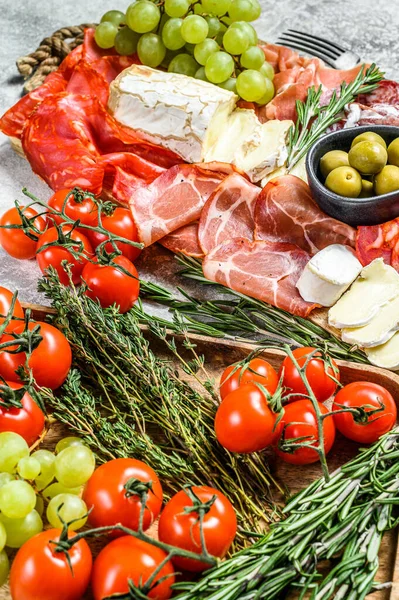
[
  {"x": 344, "y": 181},
  {"x": 369, "y": 136},
  {"x": 332, "y": 160},
  {"x": 387, "y": 181},
  {"x": 367, "y": 189},
  {"x": 368, "y": 157},
  {"x": 393, "y": 152}
]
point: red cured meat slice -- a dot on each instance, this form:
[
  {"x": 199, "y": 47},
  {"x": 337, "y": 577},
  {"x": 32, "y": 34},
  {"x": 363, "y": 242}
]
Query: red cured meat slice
[
  {"x": 111, "y": 66},
  {"x": 379, "y": 241},
  {"x": 386, "y": 93},
  {"x": 85, "y": 81},
  {"x": 228, "y": 213},
  {"x": 263, "y": 270},
  {"x": 90, "y": 49},
  {"x": 133, "y": 164},
  {"x": 286, "y": 211},
  {"x": 184, "y": 241},
  {"x": 121, "y": 185}
]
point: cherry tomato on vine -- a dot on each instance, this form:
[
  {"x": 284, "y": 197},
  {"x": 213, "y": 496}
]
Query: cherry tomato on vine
[
  {"x": 109, "y": 285},
  {"x": 120, "y": 223},
  {"x": 320, "y": 376},
  {"x": 257, "y": 370},
  {"x": 14, "y": 241},
  {"x": 5, "y": 305},
  {"x": 50, "y": 361},
  {"x": 128, "y": 558},
  {"x": 111, "y": 502},
  {"x": 27, "y": 421},
  {"x": 300, "y": 421},
  {"x": 182, "y": 529},
  {"x": 54, "y": 255},
  {"x": 372, "y": 398},
  {"x": 39, "y": 571},
  {"x": 244, "y": 421},
  {"x": 78, "y": 207}
]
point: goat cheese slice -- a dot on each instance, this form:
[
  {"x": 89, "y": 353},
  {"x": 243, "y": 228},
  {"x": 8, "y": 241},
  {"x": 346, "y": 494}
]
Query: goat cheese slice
[
  {"x": 380, "y": 329},
  {"x": 328, "y": 275},
  {"x": 377, "y": 285},
  {"x": 386, "y": 355}
]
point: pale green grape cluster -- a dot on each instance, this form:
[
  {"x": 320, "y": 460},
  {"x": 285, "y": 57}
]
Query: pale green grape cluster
[{"x": 211, "y": 40}]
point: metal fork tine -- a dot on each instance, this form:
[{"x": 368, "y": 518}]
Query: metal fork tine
[
  {"x": 306, "y": 48},
  {"x": 303, "y": 40},
  {"x": 319, "y": 39}
]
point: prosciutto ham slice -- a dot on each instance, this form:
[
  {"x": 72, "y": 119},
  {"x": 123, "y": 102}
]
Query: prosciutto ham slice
[
  {"x": 285, "y": 210},
  {"x": 264, "y": 270},
  {"x": 379, "y": 241},
  {"x": 184, "y": 241}
]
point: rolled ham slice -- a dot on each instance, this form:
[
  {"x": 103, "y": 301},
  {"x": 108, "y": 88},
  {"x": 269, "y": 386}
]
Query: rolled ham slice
[{"x": 184, "y": 241}]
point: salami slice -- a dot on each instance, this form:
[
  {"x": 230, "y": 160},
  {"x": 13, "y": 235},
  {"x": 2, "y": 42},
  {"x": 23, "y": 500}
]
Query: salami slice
[
  {"x": 184, "y": 241},
  {"x": 379, "y": 241},
  {"x": 386, "y": 93}
]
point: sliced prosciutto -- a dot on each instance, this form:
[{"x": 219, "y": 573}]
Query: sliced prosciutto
[
  {"x": 184, "y": 241},
  {"x": 263, "y": 270},
  {"x": 285, "y": 210},
  {"x": 379, "y": 241},
  {"x": 228, "y": 213}
]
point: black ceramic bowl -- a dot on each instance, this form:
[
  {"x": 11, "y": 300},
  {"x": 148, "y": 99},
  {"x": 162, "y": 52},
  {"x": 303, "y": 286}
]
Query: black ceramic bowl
[{"x": 354, "y": 211}]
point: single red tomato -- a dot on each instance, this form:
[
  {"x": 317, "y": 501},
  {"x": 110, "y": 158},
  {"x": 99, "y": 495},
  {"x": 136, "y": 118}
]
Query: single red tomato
[
  {"x": 109, "y": 285},
  {"x": 300, "y": 421},
  {"x": 128, "y": 558},
  {"x": 257, "y": 370},
  {"x": 370, "y": 397},
  {"x": 5, "y": 304},
  {"x": 244, "y": 421},
  {"x": 320, "y": 376},
  {"x": 110, "y": 502},
  {"x": 54, "y": 255},
  {"x": 181, "y": 529},
  {"x": 27, "y": 421},
  {"x": 39, "y": 571},
  {"x": 14, "y": 241},
  {"x": 50, "y": 361},
  {"x": 78, "y": 207},
  {"x": 120, "y": 223}
]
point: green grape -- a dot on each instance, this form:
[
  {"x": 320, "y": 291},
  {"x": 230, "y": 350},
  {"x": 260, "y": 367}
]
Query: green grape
[
  {"x": 5, "y": 478},
  {"x": 171, "y": 35},
  {"x": 230, "y": 84},
  {"x": 4, "y": 567},
  {"x": 219, "y": 67},
  {"x": 105, "y": 34},
  {"x": 176, "y": 8},
  {"x": 143, "y": 16},
  {"x": 39, "y": 506},
  {"x": 42, "y": 481},
  {"x": 200, "y": 74},
  {"x": 75, "y": 465},
  {"x": 251, "y": 85},
  {"x": 268, "y": 95},
  {"x": 19, "y": 531},
  {"x": 164, "y": 19},
  {"x": 203, "y": 51},
  {"x": 242, "y": 10},
  {"x": 190, "y": 49},
  {"x": 66, "y": 442},
  {"x": 3, "y": 536},
  {"x": 198, "y": 9},
  {"x": 267, "y": 71},
  {"x": 17, "y": 499},
  {"x": 28, "y": 467},
  {"x": 169, "y": 56},
  {"x": 248, "y": 29},
  {"x": 213, "y": 26},
  {"x": 151, "y": 50},
  {"x": 56, "y": 488},
  {"x": 183, "y": 64},
  {"x": 114, "y": 16},
  {"x": 253, "y": 58},
  {"x": 125, "y": 44},
  {"x": 235, "y": 41},
  {"x": 194, "y": 29},
  {"x": 12, "y": 448},
  {"x": 46, "y": 460},
  {"x": 73, "y": 508},
  {"x": 257, "y": 9},
  {"x": 216, "y": 7}
]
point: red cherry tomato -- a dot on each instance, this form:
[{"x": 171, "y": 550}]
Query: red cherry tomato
[
  {"x": 82, "y": 208},
  {"x": 39, "y": 571},
  {"x": 14, "y": 241},
  {"x": 108, "y": 500},
  {"x": 182, "y": 529},
  {"x": 365, "y": 394},
  {"x": 258, "y": 370},
  {"x": 50, "y": 361},
  {"x": 109, "y": 286},
  {"x": 5, "y": 304},
  {"x": 300, "y": 418},
  {"x": 120, "y": 223},
  {"x": 318, "y": 374},
  {"x": 27, "y": 421},
  {"x": 128, "y": 558},
  {"x": 244, "y": 421}
]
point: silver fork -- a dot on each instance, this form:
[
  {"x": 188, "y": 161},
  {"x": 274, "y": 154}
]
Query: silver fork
[{"x": 332, "y": 53}]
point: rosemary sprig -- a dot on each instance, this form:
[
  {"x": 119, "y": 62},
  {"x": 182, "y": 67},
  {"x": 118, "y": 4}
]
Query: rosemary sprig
[{"x": 313, "y": 120}]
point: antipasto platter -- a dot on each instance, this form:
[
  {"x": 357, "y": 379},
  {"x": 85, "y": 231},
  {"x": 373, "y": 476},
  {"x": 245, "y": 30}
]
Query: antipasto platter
[{"x": 144, "y": 457}]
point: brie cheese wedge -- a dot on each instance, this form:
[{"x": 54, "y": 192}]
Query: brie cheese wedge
[
  {"x": 377, "y": 285},
  {"x": 380, "y": 329},
  {"x": 386, "y": 355},
  {"x": 328, "y": 275}
]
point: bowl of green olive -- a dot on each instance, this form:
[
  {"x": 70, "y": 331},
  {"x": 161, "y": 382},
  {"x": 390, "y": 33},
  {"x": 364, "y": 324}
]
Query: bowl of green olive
[{"x": 354, "y": 174}]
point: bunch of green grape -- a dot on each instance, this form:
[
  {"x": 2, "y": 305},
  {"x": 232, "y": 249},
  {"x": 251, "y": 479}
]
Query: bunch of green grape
[
  {"x": 211, "y": 40},
  {"x": 29, "y": 482}
]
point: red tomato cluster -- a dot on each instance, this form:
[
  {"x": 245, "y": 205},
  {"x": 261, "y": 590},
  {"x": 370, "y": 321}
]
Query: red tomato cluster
[{"x": 58, "y": 240}]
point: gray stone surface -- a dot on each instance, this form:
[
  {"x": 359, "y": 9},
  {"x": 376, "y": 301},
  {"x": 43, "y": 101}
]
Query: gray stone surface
[{"x": 369, "y": 27}]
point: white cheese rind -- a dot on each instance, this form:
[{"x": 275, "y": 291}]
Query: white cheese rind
[
  {"x": 386, "y": 355},
  {"x": 380, "y": 329}
]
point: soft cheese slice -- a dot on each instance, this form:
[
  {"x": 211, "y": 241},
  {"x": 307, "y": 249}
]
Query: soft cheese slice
[
  {"x": 377, "y": 285},
  {"x": 386, "y": 355},
  {"x": 177, "y": 112},
  {"x": 380, "y": 329},
  {"x": 328, "y": 275}
]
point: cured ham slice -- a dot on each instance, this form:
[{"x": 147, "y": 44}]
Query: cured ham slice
[
  {"x": 228, "y": 213},
  {"x": 184, "y": 241},
  {"x": 285, "y": 210},
  {"x": 379, "y": 241},
  {"x": 386, "y": 93},
  {"x": 263, "y": 270}
]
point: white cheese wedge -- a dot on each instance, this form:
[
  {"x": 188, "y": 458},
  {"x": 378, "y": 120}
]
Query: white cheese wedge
[
  {"x": 328, "y": 275},
  {"x": 380, "y": 329},
  {"x": 299, "y": 170},
  {"x": 377, "y": 285},
  {"x": 386, "y": 355}
]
